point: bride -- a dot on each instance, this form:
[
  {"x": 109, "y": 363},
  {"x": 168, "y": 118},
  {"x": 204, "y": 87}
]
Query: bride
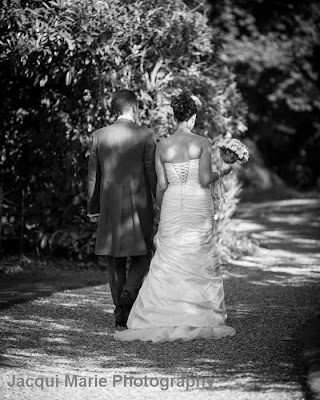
[{"x": 182, "y": 296}]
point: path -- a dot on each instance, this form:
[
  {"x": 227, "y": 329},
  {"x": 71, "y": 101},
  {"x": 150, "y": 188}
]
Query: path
[{"x": 270, "y": 299}]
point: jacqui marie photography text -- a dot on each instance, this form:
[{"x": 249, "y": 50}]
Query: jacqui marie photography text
[{"x": 96, "y": 381}]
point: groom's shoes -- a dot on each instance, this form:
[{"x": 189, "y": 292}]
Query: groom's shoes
[
  {"x": 122, "y": 321},
  {"x": 125, "y": 303},
  {"x": 121, "y": 324}
]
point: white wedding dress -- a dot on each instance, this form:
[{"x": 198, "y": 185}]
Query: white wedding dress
[{"x": 182, "y": 296}]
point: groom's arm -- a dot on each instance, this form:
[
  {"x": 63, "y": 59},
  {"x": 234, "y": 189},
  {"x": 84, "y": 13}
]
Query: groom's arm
[
  {"x": 149, "y": 160},
  {"x": 94, "y": 179}
]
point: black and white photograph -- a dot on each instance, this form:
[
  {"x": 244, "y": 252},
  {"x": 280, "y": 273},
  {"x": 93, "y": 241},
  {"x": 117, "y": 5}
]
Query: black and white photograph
[{"x": 159, "y": 199}]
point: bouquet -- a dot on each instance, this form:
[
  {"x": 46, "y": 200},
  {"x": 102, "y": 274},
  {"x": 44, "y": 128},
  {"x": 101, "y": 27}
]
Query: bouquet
[{"x": 232, "y": 150}]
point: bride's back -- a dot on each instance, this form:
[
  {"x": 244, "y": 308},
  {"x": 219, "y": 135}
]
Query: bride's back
[{"x": 181, "y": 147}]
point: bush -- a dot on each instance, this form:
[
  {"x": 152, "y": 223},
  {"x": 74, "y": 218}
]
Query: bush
[{"x": 60, "y": 64}]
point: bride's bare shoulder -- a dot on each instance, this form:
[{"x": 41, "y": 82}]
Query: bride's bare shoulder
[
  {"x": 162, "y": 147},
  {"x": 204, "y": 143},
  {"x": 204, "y": 140},
  {"x": 165, "y": 143},
  {"x": 162, "y": 144}
]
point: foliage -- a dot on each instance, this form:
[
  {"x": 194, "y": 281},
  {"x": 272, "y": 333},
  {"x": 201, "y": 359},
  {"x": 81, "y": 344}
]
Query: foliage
[
  {"x": 60, "y": 63},
  {"x": 273, "y": 47},
  {"x": 229, "y": 243}
]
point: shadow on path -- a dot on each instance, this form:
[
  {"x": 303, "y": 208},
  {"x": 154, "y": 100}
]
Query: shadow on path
[{"x": 269, "y": 296}]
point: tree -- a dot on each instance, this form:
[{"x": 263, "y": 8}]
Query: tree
[{"x": 273, "y": 47}]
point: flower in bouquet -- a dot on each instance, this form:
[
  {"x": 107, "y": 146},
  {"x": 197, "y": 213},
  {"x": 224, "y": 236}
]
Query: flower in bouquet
[{"x": 232, "y": 150}]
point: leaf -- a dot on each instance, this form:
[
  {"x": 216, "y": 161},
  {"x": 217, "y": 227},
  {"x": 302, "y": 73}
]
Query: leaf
[
  {"x": 43, "y": 81},
  {"x": 154, "y": 73},
  {"x": 44, "y": 242},
  {"x": 68, "y": 78}
]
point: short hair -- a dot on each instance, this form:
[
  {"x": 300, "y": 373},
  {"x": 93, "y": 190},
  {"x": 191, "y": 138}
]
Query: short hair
[
  {"x": 184, "y": 107},
  {"x": 122, "y": 101}
]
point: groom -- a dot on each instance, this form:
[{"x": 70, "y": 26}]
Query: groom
[{"x": 121, "y": 181}]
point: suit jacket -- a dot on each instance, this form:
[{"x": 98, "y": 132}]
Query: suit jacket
[{"x": 121, "y": 181}]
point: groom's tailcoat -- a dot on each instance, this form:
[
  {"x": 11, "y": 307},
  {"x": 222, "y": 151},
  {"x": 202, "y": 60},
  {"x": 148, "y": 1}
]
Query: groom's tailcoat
[{"x": 121, "y": 181}]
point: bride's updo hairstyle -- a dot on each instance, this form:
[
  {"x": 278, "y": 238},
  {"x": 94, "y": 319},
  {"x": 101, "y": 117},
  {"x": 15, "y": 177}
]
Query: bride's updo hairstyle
[{"x": 184, "y": 107}]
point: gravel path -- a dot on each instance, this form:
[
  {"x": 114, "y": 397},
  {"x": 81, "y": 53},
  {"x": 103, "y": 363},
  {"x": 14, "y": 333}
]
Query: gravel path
[{"x": 67, "y": 338}]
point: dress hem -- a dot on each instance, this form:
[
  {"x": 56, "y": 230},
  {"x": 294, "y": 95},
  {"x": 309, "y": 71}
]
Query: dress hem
[{"x": 169, "y": 334}]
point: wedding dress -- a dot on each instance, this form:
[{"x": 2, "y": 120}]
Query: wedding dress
[{"x": 182, "y": 296}]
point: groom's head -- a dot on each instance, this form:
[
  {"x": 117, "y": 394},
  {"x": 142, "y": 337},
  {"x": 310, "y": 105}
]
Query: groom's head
[{"x": 124, "y": 102}]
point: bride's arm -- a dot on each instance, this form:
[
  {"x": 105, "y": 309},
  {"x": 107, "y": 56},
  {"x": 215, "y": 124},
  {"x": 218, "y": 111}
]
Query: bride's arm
[
  {"x": 207, "y": 175},
  {"x": 162, "y": 181}
]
